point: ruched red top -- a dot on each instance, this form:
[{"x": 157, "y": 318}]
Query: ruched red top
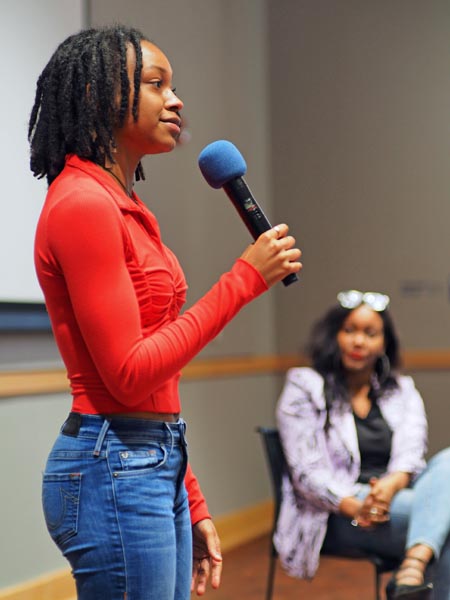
[{"x": 114, "y": 293}]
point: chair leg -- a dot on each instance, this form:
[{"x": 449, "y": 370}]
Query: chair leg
[
  {"x": 271, "y": 576},
  {"x": 377, "y": 584}
]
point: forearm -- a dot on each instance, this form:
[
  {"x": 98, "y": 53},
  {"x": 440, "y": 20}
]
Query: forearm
[
  {"x": 385, "y": 488},
  {"x": 350, "y": 507},
  {"x": 197, "y": 503},
  {"x": 161, "y": 355},
  {"x": 397, "y": 481}
]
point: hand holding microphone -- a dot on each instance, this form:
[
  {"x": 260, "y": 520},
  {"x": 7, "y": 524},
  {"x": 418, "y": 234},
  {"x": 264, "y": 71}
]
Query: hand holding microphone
[{"x": 273, "y": 254}]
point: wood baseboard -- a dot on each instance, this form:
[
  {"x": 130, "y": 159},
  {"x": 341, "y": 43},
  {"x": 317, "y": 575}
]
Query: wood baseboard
[
  {"x": 234, "y": 529},
  {"x": 57, "y": 585},
  {"x": 244, "y": 525}
]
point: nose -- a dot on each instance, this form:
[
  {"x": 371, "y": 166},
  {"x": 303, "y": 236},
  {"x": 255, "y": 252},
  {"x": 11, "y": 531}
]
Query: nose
[
  {"x": 359, "y": 338},
  {"x": 173, "y": 102}
]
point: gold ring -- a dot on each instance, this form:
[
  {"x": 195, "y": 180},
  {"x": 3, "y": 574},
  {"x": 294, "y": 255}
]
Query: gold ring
[{"x": 374, "y": 511}]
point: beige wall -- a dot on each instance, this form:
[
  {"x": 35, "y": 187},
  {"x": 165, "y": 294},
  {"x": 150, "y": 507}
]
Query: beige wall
[
  {"x": 359, "y": 102},
  {"x": 360, "y": 98}
]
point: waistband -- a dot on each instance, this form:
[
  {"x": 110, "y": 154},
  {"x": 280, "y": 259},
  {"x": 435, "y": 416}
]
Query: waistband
[{"x": 90, "y": 426}]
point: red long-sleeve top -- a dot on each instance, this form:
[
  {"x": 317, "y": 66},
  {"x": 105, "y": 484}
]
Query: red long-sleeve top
[{"x": 114, "y": 293}]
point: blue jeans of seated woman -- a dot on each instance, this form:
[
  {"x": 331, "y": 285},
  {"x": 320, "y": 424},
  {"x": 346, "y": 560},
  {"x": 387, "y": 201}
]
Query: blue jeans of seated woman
[
  {"x": 115, "y": 504},
  {"x": 420, "y": 514}
]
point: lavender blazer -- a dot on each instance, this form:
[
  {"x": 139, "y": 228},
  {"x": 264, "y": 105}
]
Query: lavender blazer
[{"x": 324, "y": 468}]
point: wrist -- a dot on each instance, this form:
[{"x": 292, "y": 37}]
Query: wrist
[
  {"x": 397, "y": 481},
  {"x": 350, "y": 507}
]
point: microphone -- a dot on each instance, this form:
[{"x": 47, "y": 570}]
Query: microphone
[{"x": 223, "y": 166}]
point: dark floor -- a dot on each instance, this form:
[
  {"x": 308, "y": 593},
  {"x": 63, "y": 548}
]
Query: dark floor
[{"x": 245, "y": 573}]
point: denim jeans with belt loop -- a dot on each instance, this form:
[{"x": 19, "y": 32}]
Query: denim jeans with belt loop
[{"x": 116, "y": 506}]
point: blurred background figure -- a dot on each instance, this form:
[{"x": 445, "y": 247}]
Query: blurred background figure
[{"x": 354, "y": 432}]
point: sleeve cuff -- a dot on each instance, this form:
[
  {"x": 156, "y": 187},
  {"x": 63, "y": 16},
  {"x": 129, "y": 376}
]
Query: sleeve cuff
[{"x": 197, "y": 503}]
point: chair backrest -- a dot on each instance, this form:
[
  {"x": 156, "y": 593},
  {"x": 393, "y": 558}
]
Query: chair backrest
[{"x": 275, "y": 460}]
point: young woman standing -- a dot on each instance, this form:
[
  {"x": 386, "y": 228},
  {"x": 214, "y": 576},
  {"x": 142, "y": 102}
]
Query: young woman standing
[{"x": 119, "y": 497}]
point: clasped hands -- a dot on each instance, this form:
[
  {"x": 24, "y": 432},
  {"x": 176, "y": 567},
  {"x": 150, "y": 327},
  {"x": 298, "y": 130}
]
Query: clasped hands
[{"x": 375, "y": 508}]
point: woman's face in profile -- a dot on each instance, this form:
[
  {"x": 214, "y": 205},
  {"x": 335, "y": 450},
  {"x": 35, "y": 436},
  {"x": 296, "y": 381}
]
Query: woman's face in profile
[
  {"x": 361, "y": 339},
  {"x": 158, "y": 126}
]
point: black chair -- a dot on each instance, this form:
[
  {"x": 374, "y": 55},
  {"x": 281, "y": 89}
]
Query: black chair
[{"x": 277, "y": 466}]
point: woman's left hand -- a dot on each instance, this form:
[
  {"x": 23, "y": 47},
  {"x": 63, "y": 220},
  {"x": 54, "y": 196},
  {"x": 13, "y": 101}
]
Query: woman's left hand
[
  {"x": 376, "y": 505},
  {"x": 207, "y": 558},
  {"x": 373, "y": 512}
]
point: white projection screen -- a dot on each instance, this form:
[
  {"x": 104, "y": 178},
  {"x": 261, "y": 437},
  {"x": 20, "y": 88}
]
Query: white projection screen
[{"x": 30, "y": 32}]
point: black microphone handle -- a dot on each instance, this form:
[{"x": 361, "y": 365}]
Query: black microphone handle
[{"x": 251, "y": 213}]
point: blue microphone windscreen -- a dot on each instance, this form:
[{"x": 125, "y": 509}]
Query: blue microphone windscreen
[{"x": 220, "y": 162}]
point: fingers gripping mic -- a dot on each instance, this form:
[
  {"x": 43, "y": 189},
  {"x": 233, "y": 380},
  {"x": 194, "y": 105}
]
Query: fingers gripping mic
[{"x": 223, "y": 166}]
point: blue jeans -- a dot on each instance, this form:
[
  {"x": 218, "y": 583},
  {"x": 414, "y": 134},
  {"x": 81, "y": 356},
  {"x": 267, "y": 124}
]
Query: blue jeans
[
  {"x": 116, "y": 506},
  {"x": 420, "y": 514}
]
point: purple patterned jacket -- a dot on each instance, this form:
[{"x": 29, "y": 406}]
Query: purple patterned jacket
[{"x": 324, "y": 468}]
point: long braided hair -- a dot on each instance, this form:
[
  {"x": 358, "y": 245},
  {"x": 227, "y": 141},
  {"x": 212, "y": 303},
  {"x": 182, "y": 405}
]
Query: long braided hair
[
  {"x": 82, "y": 95},
  {"x": 323, "y": 350}
]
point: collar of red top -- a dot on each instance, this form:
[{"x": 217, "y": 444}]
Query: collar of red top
[{"x": 124, "y": 201}]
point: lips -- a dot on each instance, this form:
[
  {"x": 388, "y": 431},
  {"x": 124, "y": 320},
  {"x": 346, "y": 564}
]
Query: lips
[
  {"x": 173, "y": 126},
  {"x": 174, "y": 120},
  {"x": 356, "y": 355}
]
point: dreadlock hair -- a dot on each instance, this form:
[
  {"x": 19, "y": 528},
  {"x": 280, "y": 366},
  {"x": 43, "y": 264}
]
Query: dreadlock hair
[
  {"x": 81, "y": 96},
  {"x": 325, "y": 355}
]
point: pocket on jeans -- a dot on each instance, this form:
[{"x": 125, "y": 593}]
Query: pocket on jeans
[
  {"x": 60, "y": 501},
  {"x": 136, "y": 460}
]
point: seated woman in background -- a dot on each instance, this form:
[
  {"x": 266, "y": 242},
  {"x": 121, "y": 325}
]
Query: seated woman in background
[{"x": 354, "y": 433}]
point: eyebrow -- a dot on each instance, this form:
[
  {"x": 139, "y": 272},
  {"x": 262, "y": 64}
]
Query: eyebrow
[{"x": 157, "y": 67}]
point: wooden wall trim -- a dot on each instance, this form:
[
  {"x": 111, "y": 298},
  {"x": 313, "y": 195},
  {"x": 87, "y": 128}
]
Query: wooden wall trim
[
  {"x": 29, "y": 382},
  {"x": 57, "y": 585},
  {"x": 24, "y": 383}
]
